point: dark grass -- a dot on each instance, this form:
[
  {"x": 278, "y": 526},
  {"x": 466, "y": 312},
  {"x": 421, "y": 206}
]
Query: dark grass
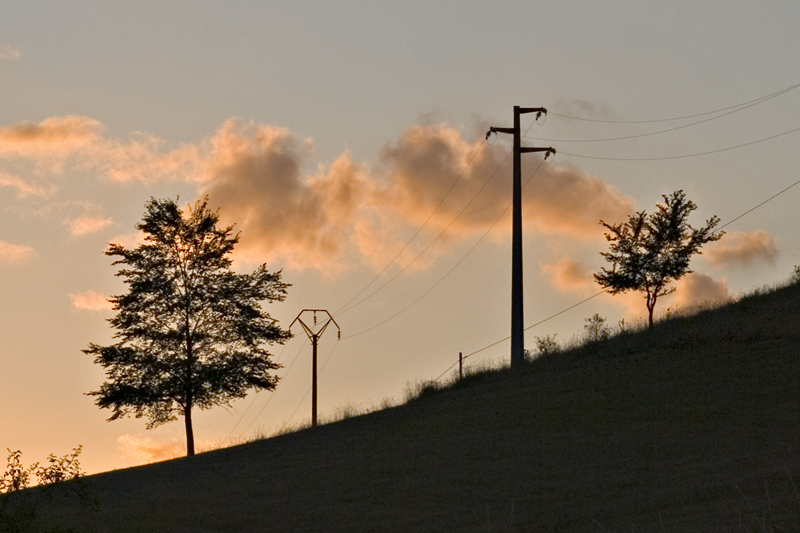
[{"x": 691, "y": 426}]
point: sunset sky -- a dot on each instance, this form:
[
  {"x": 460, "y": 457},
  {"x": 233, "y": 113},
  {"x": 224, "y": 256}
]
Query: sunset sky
[{"x": 330, "y": 133}]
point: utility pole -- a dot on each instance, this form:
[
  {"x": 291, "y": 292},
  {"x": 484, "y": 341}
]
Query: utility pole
[
  {"x": 517, "y": 321},
  {"x": 314, "y": 338}
]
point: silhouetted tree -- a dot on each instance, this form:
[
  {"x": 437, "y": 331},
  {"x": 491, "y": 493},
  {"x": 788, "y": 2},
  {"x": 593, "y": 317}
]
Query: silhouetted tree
[
  {"x": 647, "y": 253},
  {"x": 596, "y": 328},
  {"x": 191, "y": 331}
]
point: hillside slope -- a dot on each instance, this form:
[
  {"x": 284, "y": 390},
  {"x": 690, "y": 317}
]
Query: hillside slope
[{"x": 690, "y": 426}]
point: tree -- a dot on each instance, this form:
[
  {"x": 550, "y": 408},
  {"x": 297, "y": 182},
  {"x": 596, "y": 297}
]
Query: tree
[
  {"x": 647, "y": 253},
  {"x": 191, "y": 331},
  {"x": 596, "y": 328}
]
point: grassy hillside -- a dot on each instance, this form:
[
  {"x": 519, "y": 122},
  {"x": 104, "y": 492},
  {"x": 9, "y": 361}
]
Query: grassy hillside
[{"x": 691, "y": 426}]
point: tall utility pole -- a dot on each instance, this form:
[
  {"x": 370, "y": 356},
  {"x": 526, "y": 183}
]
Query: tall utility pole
[
  {"x": 314, "y": 338},
  {"x": 517, "y": 321}
]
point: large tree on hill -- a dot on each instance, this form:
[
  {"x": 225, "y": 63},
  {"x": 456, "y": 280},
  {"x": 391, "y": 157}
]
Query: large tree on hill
[
  {"x": 647, "y": 253},
  {"x": 191, "y": 332}
]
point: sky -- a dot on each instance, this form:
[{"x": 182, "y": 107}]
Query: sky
[{"x": 346, "y": 141}]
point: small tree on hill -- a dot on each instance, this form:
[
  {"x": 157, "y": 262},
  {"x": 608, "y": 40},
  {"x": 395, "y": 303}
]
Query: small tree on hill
[
  {"x": 191, "y": 332},
  {"x": 647, "y": 253},
  {"x": 596, "y": 329}
]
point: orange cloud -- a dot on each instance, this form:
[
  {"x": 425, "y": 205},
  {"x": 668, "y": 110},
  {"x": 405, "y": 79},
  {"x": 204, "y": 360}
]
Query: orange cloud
[
  {"x": 343, "y": 211},
  {"x": 569, "y": 275},
  {"x": 86, "y": 225},
  {"x": 22, "y": 187},
  {"x": 90, "y": 301},
  {"x": 128, "y": 240},
  {"x": 81, "y": 142},
  {"x": 740, "y": 249},
  {"x": 138, "y": 449},
  {"x": 14, "y": 253},
  {"x": 425, "y": 162},
  {"x": 696, "y": 289},
  {"x": 52, "y": 137},
  {"x": 254, "y": 176},
  {"x": 146, "y": 158},
  {"x": 8, "y": 52},
  {"x": 691, "y": 291}
]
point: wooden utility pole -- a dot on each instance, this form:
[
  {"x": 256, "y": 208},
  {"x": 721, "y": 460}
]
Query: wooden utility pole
[
  {"x": 517, "y": 320},
  {"x": 314, "y": 338}
]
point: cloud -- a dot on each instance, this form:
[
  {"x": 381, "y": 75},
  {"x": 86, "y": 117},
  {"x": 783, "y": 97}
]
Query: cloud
[
  {"x": 696, "y": 289},
  {"x": 345, "y": 211},
  {"x": 585, "y": 109},
  {"x": 742, "y": 249},
  {"x": 52, "y": 137},
  {"x": 23, "y": 188},
  {"x": 90, "y": 301},
  {"x": 570, "y": 276},
  {"x": 14, "y": 253},
  {"x": 254, "y": 176},
  {"x": 128, "y": 240},
  {"x": 425, "y": 162},
  {"x": 138, "y": 449},
  {"x": 82, "y": 143},
  {"x": 85, "y": 225},
  {"x": 348, "y": 210},
  {"x": 146, "y": 158},
  {"x": 691, "y": 291},
  {"x": 8, "y": 52}
]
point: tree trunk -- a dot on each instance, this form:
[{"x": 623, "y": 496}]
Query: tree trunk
[
  {"x": 651, "y": 305},
  {"x": 187, "y": 419}
]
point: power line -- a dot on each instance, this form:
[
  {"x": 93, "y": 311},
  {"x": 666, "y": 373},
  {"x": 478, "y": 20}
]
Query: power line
[
  {"x": 601, "y": 292},
  {"x": 538, "y": 323},
  {"x": 684, "y": 155},
  {"x": 453, "y": 267},
  {"x": 273, "y": 394},
  {"x": 759, "y": 205},
  {"x": 343, "y": 309},
  {"x": 253, "y": 400},
  {"x": 660, "y": 131},
  {"x": 491, "y": 177},
  {"x": 757, "y": 100},
  {"x": 309, "y": 388}
]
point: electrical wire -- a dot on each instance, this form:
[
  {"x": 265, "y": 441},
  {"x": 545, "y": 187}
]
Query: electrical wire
[
  {"x": 441, "y": 233},
  {"x": 404, "y": 309},
  {"x": 684, "y": 156},
  {"x": 652, "y": 132},
  {"x": 601, "y": 292},
  {"x": 273, "y": 394},
  {"x": 253, "y": 400},
  {"x": 309, "y": 388},
  {"x": 343, "y": 309},
  {"x": 757, "y": 100},
  {"x": 759, "y": 205}
]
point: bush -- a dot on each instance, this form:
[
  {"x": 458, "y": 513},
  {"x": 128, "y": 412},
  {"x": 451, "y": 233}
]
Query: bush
[
  {"x": 547, "y": 345},
  {"x": 18, "y": 511}
]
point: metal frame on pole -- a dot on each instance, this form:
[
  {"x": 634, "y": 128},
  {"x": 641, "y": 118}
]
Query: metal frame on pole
[
  {"x": 314, "y": 336},
  {"x": 517, "y": 321}
]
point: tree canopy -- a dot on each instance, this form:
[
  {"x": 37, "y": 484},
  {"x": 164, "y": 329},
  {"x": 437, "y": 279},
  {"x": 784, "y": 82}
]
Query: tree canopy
[
  {"x": 648, "y": 252},
  {"x": 190, "y": 332}
]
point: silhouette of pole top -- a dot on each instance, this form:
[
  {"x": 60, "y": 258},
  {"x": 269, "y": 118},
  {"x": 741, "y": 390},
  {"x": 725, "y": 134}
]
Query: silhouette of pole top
[{"x": 309, "y": 330}]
